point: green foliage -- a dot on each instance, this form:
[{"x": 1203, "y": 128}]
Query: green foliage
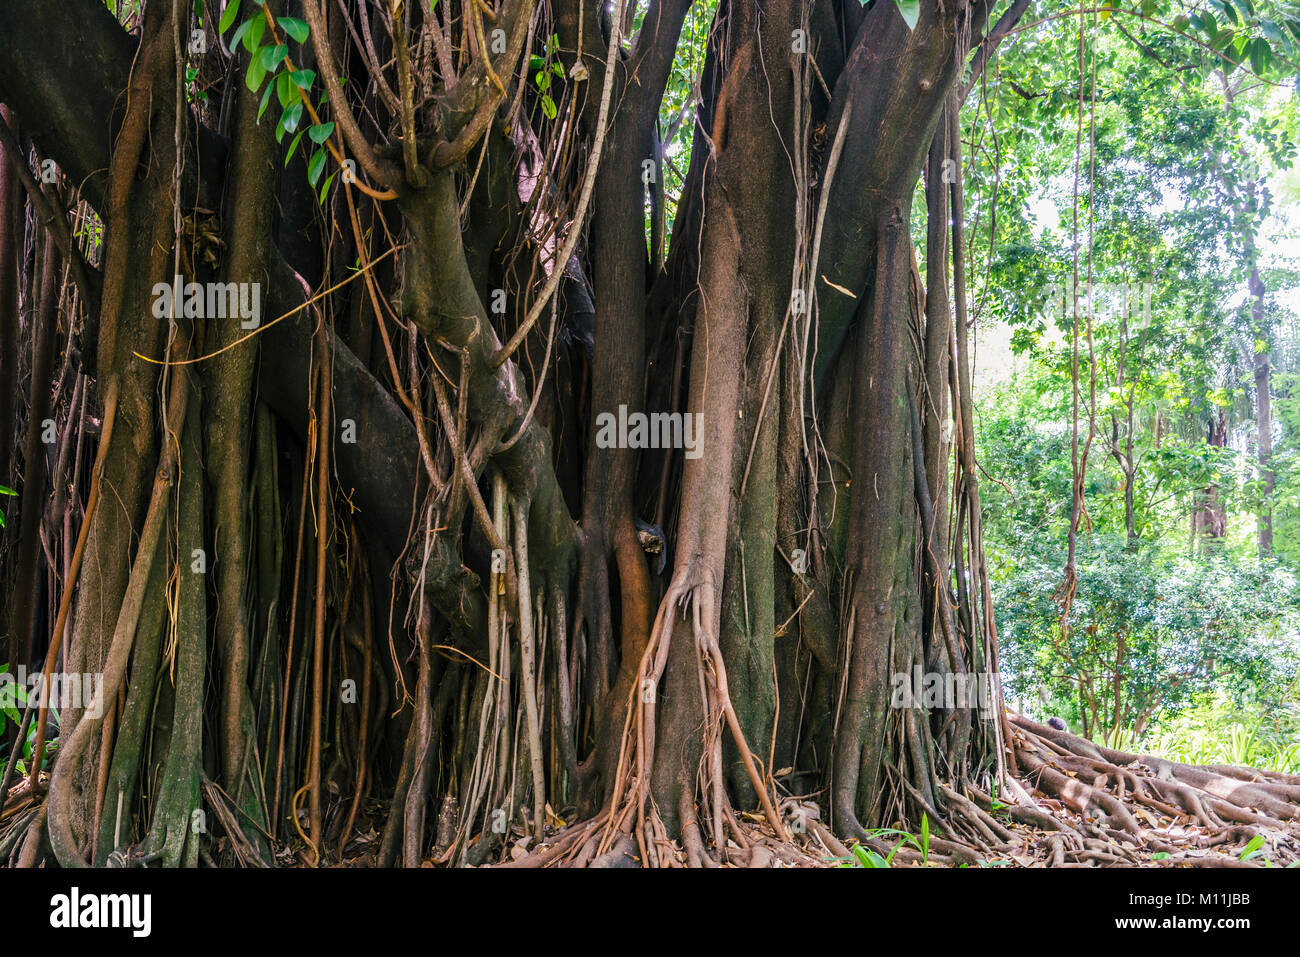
[
  {"x": 543, "y": 69},
  {"x": 911, "y": 11},
  {"x": 677, "y": 112},
  {"x": 270, "y": 64},
  {"x": 1167, "y": 627},
  {"x": 863, "y": 856},
  {"x": 1115, "y": 231},
  {"x": 5, "y": 490},
  {"x": 13, "y": 697},
  {"x": 1216, "y": 729}
]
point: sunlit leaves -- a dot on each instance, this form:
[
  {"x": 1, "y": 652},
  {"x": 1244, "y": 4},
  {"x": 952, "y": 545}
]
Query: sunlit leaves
[{"x": 542, "y": 75}]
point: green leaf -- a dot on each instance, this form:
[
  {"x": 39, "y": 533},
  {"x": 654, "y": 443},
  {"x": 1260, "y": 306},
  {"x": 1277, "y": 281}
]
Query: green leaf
[
  {"x": 293, "y": 145},
  {"x": 6, "y": 490},
  {"x": 326, "y": 188},
  {"x": 266, "y": 98},
  {"x": 320, "y": 132},
  {"x": 284, "y": 89},
  {"x": 296, "y": 28},
  {"x": 303, "y": 78},
  {"x": 239, "y": 34},
  {"x": 253, "y": 38},
  {"x": 1237, "y": 52},
  {"x": 292, "y": 116},
  {"x": 925, "y": 838},
  {"x": 910, "y": 9},
  {"x": 1260, "y": 55},
  {"x": 272, "y": 55},
  {"x": 1253, "y": 848},
  {"x": 228, "y": 17},
  {"x": 548, "y": 107},
  {"x": 314, "y": 167},
  {"x": 1272, "y": 31},
  {"x": 1160, "y": 855},
  {"x": 253, "y": 80}
]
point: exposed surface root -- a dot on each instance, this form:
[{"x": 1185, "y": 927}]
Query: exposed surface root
[
  {"x": 1077, "y": 804},
  {"x": 1116, "y": 808}
]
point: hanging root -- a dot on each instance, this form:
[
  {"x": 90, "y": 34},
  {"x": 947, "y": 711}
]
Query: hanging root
[{"x": 631, "y": 828}]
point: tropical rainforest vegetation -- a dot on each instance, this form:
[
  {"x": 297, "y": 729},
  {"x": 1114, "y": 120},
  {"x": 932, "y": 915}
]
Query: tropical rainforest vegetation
[{"x": 659, "y": 432}]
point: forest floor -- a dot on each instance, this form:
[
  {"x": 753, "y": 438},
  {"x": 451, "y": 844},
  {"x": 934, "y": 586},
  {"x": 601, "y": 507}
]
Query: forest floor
[
  {"x": 1071, "y": 803},
  {"x": 1068, "y": 802}
]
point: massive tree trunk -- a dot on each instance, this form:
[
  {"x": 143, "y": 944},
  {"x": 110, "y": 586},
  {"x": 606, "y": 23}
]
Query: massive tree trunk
[{"x": 787, "y": 312}]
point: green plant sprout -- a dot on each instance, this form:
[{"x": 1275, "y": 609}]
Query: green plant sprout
[{"x": 5, "y": 490}]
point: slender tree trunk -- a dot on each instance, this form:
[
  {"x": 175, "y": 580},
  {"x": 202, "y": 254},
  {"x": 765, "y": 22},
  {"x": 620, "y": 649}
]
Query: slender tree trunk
[{"x": 1263, "y": 414}]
